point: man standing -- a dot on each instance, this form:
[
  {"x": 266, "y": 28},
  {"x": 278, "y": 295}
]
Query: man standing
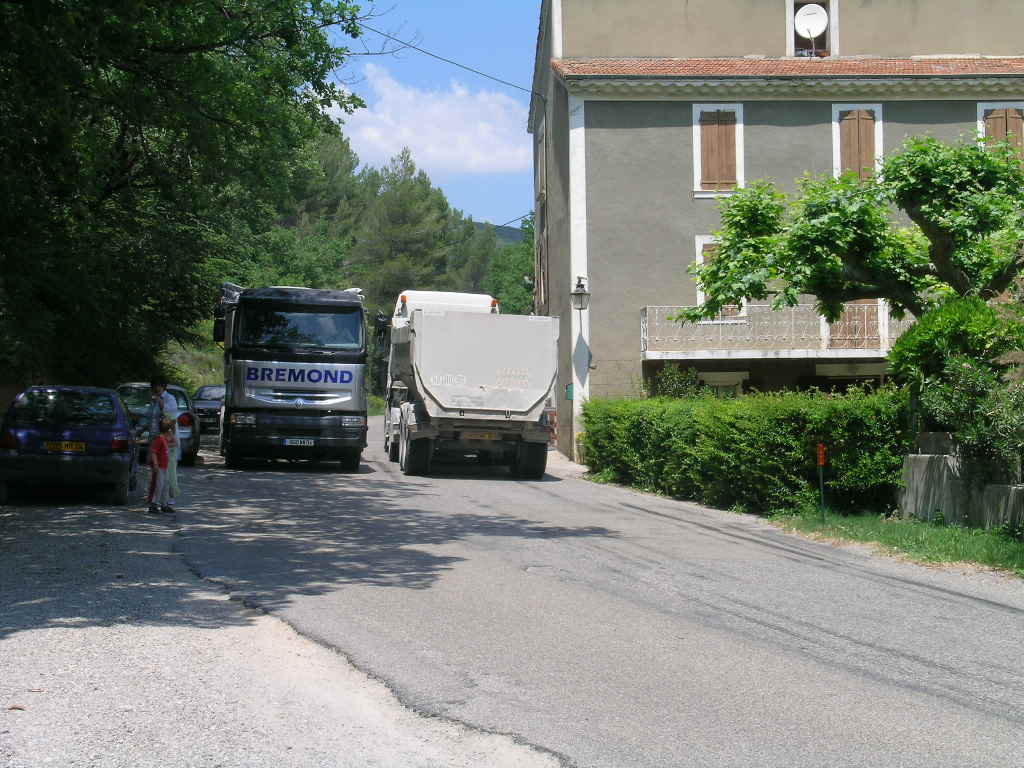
[{"x": 163, "y": 404}]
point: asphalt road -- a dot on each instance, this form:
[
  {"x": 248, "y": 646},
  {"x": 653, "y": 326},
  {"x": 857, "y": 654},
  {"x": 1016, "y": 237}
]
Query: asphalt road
[
  {"x": 614, "y": 628},
  {"x": 113, "y": 654}
]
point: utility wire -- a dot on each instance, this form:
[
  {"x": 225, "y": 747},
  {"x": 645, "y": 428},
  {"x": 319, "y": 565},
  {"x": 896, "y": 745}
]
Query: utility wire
[
  {"x": 468, "y": 69},
  {"x": 453, "y": 63},
  {"x": 515, "y": 220}
]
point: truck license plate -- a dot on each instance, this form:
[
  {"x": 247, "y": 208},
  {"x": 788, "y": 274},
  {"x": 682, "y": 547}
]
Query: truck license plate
[
  {"x": 479, "y": 436},
  {"x": 302, "y": 443}
]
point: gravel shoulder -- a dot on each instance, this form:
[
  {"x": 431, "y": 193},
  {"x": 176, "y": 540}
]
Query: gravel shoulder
[{"x": 112, "y": 653}]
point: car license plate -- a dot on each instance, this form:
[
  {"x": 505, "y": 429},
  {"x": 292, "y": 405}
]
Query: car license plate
[
  {"x": 479, "y": 436},
  {"x": 301, "y": 443},
  {"x": 65, "y": 446}
]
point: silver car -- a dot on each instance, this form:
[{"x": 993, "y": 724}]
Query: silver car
[{"x": 137, "y": 397}]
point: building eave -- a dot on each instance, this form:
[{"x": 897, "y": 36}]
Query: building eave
[
  {"x": 538, "y": 64},
  {"x": 796, "y": 88}
]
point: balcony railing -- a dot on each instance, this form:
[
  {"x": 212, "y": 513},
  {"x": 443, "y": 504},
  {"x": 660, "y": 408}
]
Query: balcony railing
[{"x": 865, "y": 330}]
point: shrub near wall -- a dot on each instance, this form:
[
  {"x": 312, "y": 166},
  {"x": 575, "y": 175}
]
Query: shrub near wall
[{"x": 757, "y": 451}]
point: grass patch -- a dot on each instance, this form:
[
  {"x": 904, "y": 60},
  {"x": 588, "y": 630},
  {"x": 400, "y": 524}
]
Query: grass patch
[
  {"x": 374, "y": 405},
  {"x": 193, "y": 366},
  {"x": 921, "y": 541}
]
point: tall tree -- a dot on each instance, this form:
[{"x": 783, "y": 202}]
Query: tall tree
[
  {"x": 839, "y": 239},
  {"x": 139, "y": 144},
  {"x": 510, "y": 275},
  {"x": 402, "y": 240}
]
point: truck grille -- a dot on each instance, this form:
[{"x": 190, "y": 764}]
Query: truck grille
[{"x": 300, "y": 425}]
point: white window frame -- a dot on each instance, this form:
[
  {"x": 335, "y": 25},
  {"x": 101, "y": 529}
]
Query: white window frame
[
  {"x": 699, "y": 242},
  {"x": 833, "y": 27},
  {"x": 986, "y": 106},
  {"x": 740, "y": 166},
  {"x": 837, "y": 151}
]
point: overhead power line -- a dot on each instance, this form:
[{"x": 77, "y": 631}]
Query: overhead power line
[
  {"x": 425, "y": 52},
  {"x": 515, "y": 220},
  {"x": 468, "y": 68}
]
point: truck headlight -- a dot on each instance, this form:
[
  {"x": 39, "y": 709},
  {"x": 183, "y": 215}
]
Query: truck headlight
[
  {"x": 243, "y": 419},
  {"x": 353, "y": 421}
]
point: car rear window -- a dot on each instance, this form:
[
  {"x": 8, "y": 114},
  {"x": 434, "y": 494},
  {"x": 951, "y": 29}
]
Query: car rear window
[
  {"x": 52, "y": 406},
  {"x": 135, "y": 398},
  {"x": 181, "y": 397}
]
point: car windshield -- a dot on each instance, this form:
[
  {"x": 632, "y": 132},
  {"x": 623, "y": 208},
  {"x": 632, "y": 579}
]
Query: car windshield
[
  {"x": 210, "y": 393},
  {"x": 138, "y": 399},
  {"x": 339, "y": 329},
  {"x": 61, "y": 406}
]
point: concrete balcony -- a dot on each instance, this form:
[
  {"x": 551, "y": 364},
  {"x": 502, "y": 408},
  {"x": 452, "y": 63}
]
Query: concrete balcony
[{"x": 866, "y": 331}]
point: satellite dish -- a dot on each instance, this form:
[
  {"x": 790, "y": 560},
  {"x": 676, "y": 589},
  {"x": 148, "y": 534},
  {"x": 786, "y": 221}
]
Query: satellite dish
[{"x": 811, "y": 21}]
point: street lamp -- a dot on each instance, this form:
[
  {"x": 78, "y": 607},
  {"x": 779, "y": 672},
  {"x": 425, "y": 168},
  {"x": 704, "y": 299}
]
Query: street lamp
[{"x": 580, "y": 295}]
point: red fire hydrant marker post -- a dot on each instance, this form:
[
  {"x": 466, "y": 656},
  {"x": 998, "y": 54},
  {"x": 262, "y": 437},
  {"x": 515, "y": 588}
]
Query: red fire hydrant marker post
[{"x": 821, "y": 477}]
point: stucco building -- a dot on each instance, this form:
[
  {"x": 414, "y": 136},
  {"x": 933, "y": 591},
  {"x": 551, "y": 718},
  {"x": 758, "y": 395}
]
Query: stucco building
[{"x": 647, "y": 112}]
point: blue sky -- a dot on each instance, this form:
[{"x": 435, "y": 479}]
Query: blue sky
[{"x": 468, "y": 133}]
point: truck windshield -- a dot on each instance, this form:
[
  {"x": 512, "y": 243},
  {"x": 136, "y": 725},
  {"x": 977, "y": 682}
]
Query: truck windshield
[{"x": 336, "y": 329}]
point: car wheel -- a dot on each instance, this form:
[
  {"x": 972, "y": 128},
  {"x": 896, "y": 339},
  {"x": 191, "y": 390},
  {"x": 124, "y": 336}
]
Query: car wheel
[
  {"x": 189, "y": 459},
  {"x": 118, "y": 494}
]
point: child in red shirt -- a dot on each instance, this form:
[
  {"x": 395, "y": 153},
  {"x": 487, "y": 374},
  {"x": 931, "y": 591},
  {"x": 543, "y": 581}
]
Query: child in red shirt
[{"x": 159, "y": 460}]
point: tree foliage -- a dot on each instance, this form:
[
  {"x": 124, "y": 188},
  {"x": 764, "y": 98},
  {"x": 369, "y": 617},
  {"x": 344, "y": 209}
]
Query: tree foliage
[
  {"x": 510, "y": 275},
  {"x": 955, "y": 360},
  {"x": 144, "y": 147},
  {"x": 966, "y": 327},
  {"x": 961, "y": 234}
]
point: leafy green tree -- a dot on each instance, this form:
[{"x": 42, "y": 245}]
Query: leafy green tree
[
  {"x": 839, "y": 239},
  {"x": 401, "y": 241},
  {"x": 144, "y": 148},
  {"x": 510, "y": 275}
]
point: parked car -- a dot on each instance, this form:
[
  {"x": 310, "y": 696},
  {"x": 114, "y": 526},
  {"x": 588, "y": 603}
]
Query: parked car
[
  {"x": 208, "y": 401},
  {"x": 68, "y": 436},
  {"x": 138, "y": 395}
]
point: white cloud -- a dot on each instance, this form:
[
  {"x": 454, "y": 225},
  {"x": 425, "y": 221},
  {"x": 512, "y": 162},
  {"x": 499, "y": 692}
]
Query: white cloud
[{"x": 449, "y": 131}]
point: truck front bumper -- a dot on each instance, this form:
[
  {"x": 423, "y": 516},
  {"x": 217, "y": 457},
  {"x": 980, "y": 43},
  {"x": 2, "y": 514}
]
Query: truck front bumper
[
  {"x": 283, "y": 447},
  {"x": 298, "y": 436}
]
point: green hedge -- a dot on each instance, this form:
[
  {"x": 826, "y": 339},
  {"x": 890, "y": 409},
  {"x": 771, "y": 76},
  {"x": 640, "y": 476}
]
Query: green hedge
[{"x": 756, "y": 452}]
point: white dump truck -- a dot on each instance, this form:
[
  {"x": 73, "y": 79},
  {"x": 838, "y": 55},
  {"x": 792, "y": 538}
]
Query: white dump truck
[{"x": 465, "y": 379}]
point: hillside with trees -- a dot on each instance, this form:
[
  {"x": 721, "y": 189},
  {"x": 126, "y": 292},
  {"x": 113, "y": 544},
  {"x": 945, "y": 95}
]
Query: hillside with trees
[{"x": 151, "y": 151}]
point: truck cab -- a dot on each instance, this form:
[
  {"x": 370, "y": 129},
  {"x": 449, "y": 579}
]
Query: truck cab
[{"x": 294, "y": 374}]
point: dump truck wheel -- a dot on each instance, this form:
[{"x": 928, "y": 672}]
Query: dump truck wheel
[
  {"x": 531, "y": 461},
  {"x": 415, "y": 454},
  {"x": 350, "y": 461},
  {"x": 417, "y": 459}
]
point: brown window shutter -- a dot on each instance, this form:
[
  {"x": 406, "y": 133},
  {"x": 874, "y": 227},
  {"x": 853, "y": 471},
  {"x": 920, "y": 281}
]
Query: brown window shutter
[
  {"x": 857, "y": 141},
  {"x": 717, "y": 150},
  {"x": 1005, "y": 125},
  {"x": 708, "y": 251}
]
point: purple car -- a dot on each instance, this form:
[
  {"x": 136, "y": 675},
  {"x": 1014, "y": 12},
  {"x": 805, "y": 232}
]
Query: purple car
[{"x": 68, "y": 436}]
